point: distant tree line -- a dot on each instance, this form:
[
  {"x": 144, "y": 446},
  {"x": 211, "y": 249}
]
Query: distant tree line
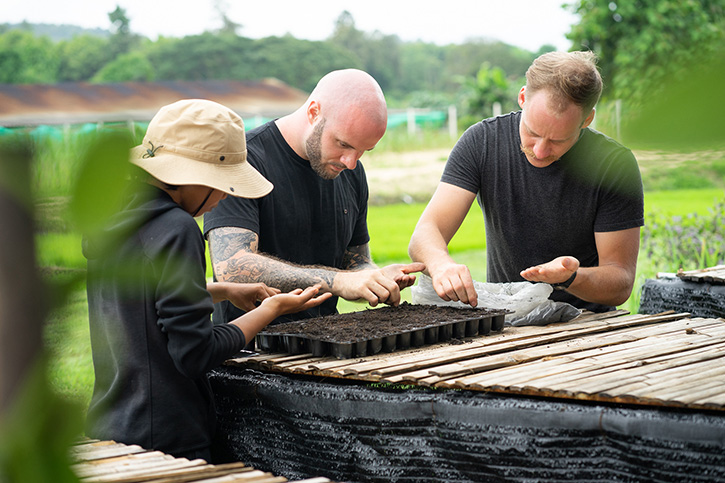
[
  {"x": 428, "y": 73},
  {"x": 641, "y": 44}
]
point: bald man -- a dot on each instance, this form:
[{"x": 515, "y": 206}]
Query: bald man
[{"x": 312, "y": 228}]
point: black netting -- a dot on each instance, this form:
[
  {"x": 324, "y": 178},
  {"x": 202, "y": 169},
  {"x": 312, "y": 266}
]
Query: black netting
[
  {"x": 302, "y": 427},
  {"x": 698, "y": 298}
]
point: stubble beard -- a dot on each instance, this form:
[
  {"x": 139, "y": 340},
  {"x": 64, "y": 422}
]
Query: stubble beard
[{"x": 313, "y": 148}]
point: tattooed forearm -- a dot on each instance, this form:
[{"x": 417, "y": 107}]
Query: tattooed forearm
[
  {"x": 235, "y": 259},
  {"x": 358, "y": 258},
  {"x": 226, "y": 242}
]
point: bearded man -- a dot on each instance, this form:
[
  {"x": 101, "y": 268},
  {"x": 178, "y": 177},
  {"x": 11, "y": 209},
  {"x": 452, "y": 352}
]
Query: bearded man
[{"x": 312, "y": 229}]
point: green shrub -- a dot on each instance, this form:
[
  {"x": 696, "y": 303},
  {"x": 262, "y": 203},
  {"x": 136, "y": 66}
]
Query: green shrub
[{"x": 689, "y": 242}]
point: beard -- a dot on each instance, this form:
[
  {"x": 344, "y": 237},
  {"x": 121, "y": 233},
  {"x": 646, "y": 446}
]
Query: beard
[
  {"x": 313, "y": 148},
  {"x": 530, "y": 153}
]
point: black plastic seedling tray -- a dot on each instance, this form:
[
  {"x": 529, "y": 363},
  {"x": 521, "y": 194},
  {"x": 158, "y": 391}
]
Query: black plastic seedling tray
[{"x": 459, "y": 324}]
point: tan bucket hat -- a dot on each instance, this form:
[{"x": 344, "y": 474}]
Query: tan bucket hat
[{"x": 200, "y": 142}]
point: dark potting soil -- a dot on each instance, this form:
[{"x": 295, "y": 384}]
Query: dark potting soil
[{"x": 379, "y": 322}]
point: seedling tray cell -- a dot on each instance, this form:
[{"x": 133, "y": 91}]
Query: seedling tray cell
[{"x": 387, "y": 329}]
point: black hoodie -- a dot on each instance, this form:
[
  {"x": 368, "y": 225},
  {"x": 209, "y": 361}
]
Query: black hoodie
[{"x": 151, "y": 332}]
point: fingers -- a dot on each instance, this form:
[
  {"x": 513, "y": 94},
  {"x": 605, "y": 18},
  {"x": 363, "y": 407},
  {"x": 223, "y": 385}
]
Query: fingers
[
  {"x": 413, "y": 267},
  {"x": 457, "y": 288},
  {"x": 265, "y": 291},
  {"x": 314, "y": 302},
  {"x": 312, "y": 297},
  {"x": 570, "y": 263}
]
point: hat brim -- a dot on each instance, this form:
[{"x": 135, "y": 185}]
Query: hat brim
[{"x": 235, "y": 179}]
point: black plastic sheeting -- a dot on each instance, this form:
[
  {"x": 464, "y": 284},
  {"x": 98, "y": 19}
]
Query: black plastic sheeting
[
  {"x": 301, "y": 427},
  {"x": 698, "y": 298}
]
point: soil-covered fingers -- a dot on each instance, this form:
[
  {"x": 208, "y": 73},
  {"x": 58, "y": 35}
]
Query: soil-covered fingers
[{"x": 456, "y": 288}]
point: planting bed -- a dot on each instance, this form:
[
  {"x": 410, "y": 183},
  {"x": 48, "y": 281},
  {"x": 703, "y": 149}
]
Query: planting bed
[{"x": 367, "y": 332}]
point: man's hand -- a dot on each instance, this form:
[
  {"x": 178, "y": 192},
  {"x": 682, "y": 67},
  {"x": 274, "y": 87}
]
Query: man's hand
[
  {"x": 556, "y": 271},
  {"x": 453, "y": 282},
  {"x": 402, "y": 274},
  {"x": 375, "y": 285}
]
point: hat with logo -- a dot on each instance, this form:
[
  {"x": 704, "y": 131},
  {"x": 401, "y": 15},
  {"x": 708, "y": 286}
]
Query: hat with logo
[{"x": 200, "y": 142}]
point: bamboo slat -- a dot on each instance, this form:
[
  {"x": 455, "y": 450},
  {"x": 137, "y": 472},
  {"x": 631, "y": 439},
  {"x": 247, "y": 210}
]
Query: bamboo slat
[
  {"x": 111, "y": 462},
  {"x": 714, "y": 274},
  {"x": 668, "y": 359}
]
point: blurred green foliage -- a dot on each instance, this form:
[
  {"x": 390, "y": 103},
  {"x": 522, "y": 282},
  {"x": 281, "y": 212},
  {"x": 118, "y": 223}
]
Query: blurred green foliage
[
  {"x": 643, "y": 44},
  {"x": 688, "y": 242},
  {"x": 401, "y": 68},
  {"x": 37, "y": 426}
]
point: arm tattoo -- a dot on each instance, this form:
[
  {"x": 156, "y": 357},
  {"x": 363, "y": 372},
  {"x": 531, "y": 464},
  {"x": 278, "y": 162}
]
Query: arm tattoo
[
  {"x": 235, "y": 258},
  {"x": 225, "y": 243},
  {"x": 358, "y": 258}
]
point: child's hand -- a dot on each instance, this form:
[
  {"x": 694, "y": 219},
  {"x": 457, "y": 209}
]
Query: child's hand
[
  {"x": 243, "y": 295},
  {"x": 296, "y": 300}
]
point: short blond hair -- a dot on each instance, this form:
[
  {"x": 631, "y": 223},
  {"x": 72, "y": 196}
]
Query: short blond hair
[{"x": 568, "y": 76}]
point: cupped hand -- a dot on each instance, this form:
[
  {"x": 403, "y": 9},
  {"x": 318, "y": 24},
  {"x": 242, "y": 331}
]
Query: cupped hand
[
  {"x": 297, "y": 300},
  {"x": 556, "y": 271}
]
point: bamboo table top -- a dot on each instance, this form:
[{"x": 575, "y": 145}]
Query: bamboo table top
[
  {"x": 111, "y": 462},
  {"x": 667, "y": 360},
  {"x": 711, "y": 275}
]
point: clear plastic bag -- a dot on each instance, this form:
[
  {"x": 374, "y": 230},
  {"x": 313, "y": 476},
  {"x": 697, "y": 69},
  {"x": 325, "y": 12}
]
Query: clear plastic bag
[{"x": 528, "y": 301}]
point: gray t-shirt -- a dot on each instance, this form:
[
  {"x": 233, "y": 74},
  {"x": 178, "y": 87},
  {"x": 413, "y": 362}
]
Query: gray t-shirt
[{"x": 533, "y": 215}]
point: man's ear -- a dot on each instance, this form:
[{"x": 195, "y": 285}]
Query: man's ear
[
  {"x": 313, "y": 111},
  {"x": 522, "y": 97},
  {"x": 588, "y": 120}
]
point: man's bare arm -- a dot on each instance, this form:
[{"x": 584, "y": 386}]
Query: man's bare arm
[
  {"x": 609, "y": 283},
  {"x": 235, "y": 258}
]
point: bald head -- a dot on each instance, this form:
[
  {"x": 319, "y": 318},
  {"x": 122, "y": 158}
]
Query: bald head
[
  {"x": 343, "y": 91},
  {"x": 344, "y": 116}
]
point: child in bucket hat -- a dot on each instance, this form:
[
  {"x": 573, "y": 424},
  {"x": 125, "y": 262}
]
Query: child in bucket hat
[{"x": 149, "y": 301}]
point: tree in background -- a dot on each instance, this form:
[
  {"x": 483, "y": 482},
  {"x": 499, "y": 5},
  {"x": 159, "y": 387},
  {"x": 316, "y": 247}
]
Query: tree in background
[
  {"x": 644, "y": 44},
  {"x": 202, "y": 57},
  {"x": 229, "y": 27},
  {"x": 27, "y": 59},
  {"x": 407, "y": 71},
  {"x": 82, "y": 57},
  {"x": 129, "y": 67},
  {"x": 378, "y": 54},
  {"x": 488, "y": 87},
  {"x": 299, "y": 63},
  {"x": 123, "y": 40}
]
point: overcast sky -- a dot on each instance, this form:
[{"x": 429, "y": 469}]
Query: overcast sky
[{"x": 524, "y": 23}]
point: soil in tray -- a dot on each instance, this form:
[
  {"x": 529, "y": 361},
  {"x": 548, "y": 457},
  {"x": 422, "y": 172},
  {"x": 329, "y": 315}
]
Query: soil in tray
[{"x": 376, "y": 323}]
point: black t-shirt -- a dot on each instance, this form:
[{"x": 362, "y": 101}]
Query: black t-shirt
[
  {"x": 533, "y": 215},
  {"x": 306, "y": 219}
]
